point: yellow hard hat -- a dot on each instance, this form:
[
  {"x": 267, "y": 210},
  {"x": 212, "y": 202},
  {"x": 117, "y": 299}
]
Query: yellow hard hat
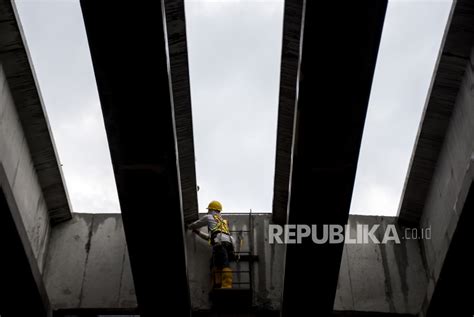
[{"x": 215, "y": 205}]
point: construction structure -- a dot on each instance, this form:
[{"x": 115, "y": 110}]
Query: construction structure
[{"x": 58, "y": 263}]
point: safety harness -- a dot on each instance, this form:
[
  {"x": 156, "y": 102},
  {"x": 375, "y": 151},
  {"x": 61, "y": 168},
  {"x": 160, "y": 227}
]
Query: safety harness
[{"x": 219, "y": 227}]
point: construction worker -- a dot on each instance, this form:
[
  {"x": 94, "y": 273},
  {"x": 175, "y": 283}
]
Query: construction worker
[{"x": 221, "y": 241}]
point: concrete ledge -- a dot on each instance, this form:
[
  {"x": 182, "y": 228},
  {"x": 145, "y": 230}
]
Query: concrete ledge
[{"x": 88, "y": 264}]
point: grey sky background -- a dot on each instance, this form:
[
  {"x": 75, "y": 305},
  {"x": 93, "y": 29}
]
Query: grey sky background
[
  {"x": 234, "y": 57},
  {"x": 234, "y": 53},
  {"x": 58, "y": 46},
  {"x": 411, "y": 38}
]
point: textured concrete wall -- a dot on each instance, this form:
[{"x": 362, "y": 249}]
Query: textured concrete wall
[
  {"x": 387, "y": 278},
  {"x": 20, "y": 172},
  {"x": 267, "y": 272},
  {"x": 451, "y": 179},
  {"x": 88, "y": 264},
  {"x": 88, "y": 267}
]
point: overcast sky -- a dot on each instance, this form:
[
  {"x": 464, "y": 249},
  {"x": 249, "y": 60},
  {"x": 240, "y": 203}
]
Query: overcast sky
[
  {"x": 234, "y": 54},
  {"x": 234, "y": 58},
  {"x": 58, "y": 45},
  {"x": 409, "y": 48}
]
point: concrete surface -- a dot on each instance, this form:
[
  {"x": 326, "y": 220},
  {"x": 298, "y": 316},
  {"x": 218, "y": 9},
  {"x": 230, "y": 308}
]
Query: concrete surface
[
  {"x": 21, "y": 175},
  {"x": 22, "y": 290},
  {"x": 289, "y": 70},
  {"x": 180, "y": 85},
  {"x": 387, "y": 278},
  {"x": 88, "y": 264},
  {"x": 451, "y": 179}
]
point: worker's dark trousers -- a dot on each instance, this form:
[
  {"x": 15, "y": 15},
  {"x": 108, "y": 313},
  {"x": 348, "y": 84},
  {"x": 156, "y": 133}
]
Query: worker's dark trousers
[{"x": 222, "y": 254}]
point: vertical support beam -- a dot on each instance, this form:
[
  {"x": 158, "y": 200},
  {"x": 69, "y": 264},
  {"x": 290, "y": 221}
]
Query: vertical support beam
[
  {"x": 339, "y": 50},
  {"x": 130, "y": 55}
]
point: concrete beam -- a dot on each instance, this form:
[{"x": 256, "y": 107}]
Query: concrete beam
[
  {"x": 451, "y": 181},
  {"x": 22, "y": 292},
  {"x": 22, "y": 84},
  {"x": 449, "y": 73},
  {"x": 339, "y": 50},
  {"x": 290, "y": 57},
  {"x": 179, "y": 73},
  {"x": 128, "y": 45},
  {"x": 453, "y": 293},
  {"x": 384, "y": 278},
  {"x": 20, "y": 175},
  {"x": 88, "y": 264}
]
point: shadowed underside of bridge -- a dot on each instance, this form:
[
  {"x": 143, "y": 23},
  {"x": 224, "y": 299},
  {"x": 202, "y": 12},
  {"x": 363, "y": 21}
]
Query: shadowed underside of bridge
[
  {"x": 337, "y": 57},
  {"x": 131, "y": 59}
]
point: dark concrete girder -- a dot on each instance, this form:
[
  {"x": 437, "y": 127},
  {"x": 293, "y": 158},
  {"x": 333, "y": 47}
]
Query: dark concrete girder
[
  {"x": 129, "y": 52},
  {"x": 339, "y": 48},
  {"x": 179, "y": 72},
  {"x": 290, "y": 57}
]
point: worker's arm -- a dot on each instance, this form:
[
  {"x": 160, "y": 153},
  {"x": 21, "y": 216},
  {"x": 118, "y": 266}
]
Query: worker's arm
[
  {"x": 201, "y": 234},
  {"x": 199, "y": 223}
]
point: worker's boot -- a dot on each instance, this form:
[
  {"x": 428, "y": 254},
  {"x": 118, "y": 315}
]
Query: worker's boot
[
  {"x": 227, "y": 277},
  {"x": 216, "y": 278}
]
